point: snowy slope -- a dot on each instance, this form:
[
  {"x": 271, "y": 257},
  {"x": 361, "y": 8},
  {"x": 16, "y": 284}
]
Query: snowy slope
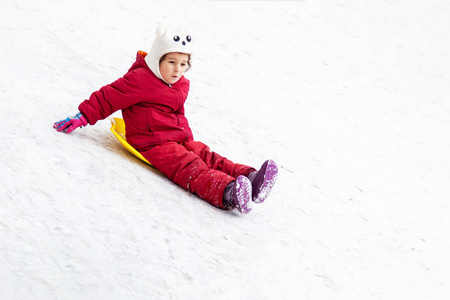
[{"x": 351, "y": 99}]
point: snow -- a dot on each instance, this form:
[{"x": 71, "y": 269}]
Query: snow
[{"x": 349, "y": 97}]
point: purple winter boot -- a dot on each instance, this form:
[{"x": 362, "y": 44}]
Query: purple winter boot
[
  {"x": 263, "y": 181},
  {"x": 238, "y": 194}
]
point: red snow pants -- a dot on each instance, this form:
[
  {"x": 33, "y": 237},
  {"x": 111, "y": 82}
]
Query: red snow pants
[{"x": 195, "y": 168}]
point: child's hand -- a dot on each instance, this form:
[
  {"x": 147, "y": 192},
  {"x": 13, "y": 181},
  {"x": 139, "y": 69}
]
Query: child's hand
[{"x": 70, "y": 123}]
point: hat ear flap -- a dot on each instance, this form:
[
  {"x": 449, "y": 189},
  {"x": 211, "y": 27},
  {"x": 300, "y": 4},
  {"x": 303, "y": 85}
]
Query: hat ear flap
[{"x": 160, "y": 30}]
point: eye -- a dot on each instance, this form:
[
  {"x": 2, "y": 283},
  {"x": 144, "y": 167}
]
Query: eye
[
  {"x": 188, "y": 38},
  {"x": 176, "y": 38}
]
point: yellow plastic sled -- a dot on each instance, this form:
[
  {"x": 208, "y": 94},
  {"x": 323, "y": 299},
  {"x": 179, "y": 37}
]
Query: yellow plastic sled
[{"x": 118, "y": 128}]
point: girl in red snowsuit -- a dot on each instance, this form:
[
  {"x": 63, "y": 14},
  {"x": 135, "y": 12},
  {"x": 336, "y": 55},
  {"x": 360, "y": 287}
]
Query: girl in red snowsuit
[{"x": 151, "y": 96}]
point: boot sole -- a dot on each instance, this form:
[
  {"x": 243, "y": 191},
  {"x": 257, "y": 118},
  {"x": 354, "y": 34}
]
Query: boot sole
[
  {"x": 243, "y": 192},
  {"x": 270, "y": 177}
]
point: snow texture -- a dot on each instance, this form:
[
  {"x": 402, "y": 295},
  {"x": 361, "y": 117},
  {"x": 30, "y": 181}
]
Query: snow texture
[{"x": 350, "y": 98}]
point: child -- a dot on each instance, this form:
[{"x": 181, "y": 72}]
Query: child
[{"x": 151, "y": 96}]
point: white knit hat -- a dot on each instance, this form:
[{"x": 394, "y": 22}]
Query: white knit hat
[{"x": 168, "y": 39}]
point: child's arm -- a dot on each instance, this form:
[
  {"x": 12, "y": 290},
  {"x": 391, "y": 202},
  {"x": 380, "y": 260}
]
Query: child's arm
[{"x": 120, "y": 94}]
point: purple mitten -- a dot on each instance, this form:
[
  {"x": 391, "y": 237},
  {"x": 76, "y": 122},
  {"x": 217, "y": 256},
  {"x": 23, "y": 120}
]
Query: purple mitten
[
  {"x": 70, "y": 123},
  {"x": 263, "y": 181}
]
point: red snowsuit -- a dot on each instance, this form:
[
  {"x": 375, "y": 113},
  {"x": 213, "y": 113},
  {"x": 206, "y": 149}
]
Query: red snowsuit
[{"x": 156, "y": 126}]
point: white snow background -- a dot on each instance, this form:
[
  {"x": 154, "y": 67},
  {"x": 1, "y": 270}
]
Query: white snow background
[{"x": 350, "y": 98}]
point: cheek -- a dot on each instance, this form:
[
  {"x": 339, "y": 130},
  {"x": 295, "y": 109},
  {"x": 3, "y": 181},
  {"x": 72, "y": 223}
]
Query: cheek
[{"x": 163, "y": 68}]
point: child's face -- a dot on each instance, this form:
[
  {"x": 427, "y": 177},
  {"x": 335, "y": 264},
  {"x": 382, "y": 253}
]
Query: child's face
[{"x": 173, "y": 66}]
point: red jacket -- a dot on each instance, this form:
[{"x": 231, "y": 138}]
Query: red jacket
[{"x": 152, "y": 110}]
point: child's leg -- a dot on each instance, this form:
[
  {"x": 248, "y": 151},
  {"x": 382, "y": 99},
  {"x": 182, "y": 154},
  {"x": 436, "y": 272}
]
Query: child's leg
[
  {"x": 216, "y": 161},
  {"x": 188, "y": 170}
]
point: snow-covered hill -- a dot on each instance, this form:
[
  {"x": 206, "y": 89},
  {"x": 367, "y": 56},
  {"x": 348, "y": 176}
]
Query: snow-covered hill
[{"x": 351, "y": 99}]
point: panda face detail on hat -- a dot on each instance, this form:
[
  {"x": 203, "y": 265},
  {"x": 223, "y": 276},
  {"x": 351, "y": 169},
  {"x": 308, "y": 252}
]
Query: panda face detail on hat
[{"x": 168, "y": 39}]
